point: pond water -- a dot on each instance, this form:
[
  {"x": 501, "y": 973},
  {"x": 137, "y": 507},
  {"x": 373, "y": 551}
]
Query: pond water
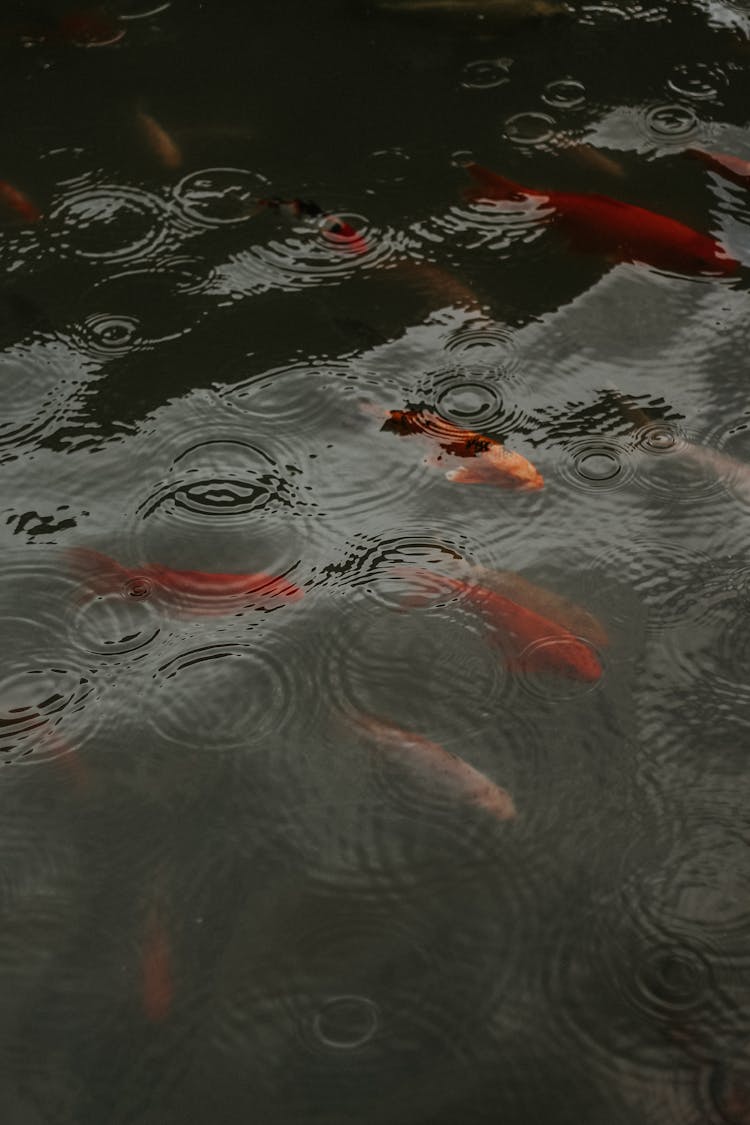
[{"x": 341, "y": 788}]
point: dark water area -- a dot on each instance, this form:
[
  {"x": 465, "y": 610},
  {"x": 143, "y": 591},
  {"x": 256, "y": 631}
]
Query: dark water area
[{"x": 439, "y": 814}]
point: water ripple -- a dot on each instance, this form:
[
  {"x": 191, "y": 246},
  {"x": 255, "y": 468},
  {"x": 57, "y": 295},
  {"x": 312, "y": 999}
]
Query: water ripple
[
  {"x": 597, "y": 463},
  {"x": 37, "y": 384},
  {"x": 193, "y": 698},
  {"x": 112, "y": 223},
  {"x": 219, "y": 196},
  {"x": 532, "y": 129},
  {"x": 48, "y": 694},
  {"x": 485, "y": 74},
  {"x": 677, "y": 468}
]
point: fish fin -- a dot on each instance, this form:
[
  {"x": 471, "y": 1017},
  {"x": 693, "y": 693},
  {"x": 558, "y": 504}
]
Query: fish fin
[
  {"x": 489, "y": 185},
  {"x": 101, "y": 574}
]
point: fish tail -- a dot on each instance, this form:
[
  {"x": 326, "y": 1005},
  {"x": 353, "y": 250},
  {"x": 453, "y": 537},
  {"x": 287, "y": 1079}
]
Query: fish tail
[
  {"x": 489, "y": 185},
  {"x": 99, "y": 573}
]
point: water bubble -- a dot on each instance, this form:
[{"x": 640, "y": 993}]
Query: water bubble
[
  {"x": 486, "y": 73},
  {"x": 530, "y": 128},
  {"x": 671, "y": 121},
  {"x": 565, "y": 93},
  {"x": 700, "y": 81},
  {"x": 219, "y": 196},
  {"x": 346, "y": 1022}
]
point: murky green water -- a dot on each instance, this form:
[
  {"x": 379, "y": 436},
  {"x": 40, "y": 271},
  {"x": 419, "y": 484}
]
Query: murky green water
[{"x": 242, "y": 879}]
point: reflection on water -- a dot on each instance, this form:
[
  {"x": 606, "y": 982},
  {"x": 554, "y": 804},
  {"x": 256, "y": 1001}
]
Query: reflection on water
[{"x": 337, "y": 790}]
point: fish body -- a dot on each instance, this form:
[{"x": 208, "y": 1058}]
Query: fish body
[
  {"x": 16, "y": 201},
  {"x": 730, "y": 167},
  {"x": 157, "y": 989},
  {"x": 491, "y": 462},
  {"x": 546, "y": 603},
  {"x": 519, "y": 630},
  {"x": 601, "y": 225},
  {"x": 184, "y": 592},
  {"x": 455, "y": 774},
  {"x": 162, "y": 145}
]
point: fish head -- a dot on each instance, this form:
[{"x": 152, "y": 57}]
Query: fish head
[
  {"x": 501, "y": 467},
  {"x": 343, "y": 235}
]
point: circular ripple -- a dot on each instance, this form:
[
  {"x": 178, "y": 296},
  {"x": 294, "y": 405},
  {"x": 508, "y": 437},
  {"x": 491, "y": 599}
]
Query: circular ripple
[
  {"x": 678, "y": 468},
  {"x": 483, "y": 74},
  {"x": 219, "y": 479},
  {"x": 401, "y": 664},
  {"x": 469, "y": 398},
  {"x": 530, "y": 128},
  {"x": 670, "y": 579},
  {"x": 546, "y": 669},
  {"x": 565, "y": 93},
  {"x": 388, "y": 165},
  {"x": 109, "y": 223},
  {"x": 141, "y": 9},
  {"x": 346, "y": 1022},
  {"x": 220, "y": 196},
  {"x": 701, "y": 81},
  {"x": 730, "y": 456},
  {"x": 116, "y": 626},
  {"x": 601, "y": 464},
  {"x": 671, "y": 122},
  {"x": 108, "y": 336},
  {"x": 487, "y": 344},
  {"x": 35, "y": 392},
  {"x": 136, "y": 309},
  {"x": 224, "y": 697},
  {"x": 671, "y": 980}
]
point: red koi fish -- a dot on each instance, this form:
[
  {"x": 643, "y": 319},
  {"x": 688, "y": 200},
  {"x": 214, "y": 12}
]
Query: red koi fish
[
  {"x": 157, "y": 988},
  {"x": 15, "y": 200},
  {"x": 454, "y": 773},
  {"x": 491, "y": 462},
  {"x": 163, "y": 146},
  {"x": 518, "y": 629},
  {"x": 182, "y": 592},
  {"x": 598, "y": 224},
  {"x": 730, "y": 167},
  {"x": 546, "y": 603}
]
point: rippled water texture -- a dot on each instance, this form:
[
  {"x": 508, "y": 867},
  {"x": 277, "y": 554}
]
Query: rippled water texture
[{"x": 375, "y": 677}]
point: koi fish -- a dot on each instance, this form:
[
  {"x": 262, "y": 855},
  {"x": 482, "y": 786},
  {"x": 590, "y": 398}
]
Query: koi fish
[
  {"x": 726, "y": 469},
  {"x": 518, "y": 629},
  {"x": 554, "y": 607},
  {"x": 157, "y": 139},
  {"x": 181, "y": 592},
  {"x": 607, "y": 226},
  {"x": 595, "y": 159},
  {"x": 89, "y": 28},
  {"x": 491, "y": 463},
  {"x": 456, "y": 775},
  {"x": 730, "y": 167},
  {"x": 15, "y": 200},
  {"x": 157, "y": 989},
  {"x": 334, "y": 228}
]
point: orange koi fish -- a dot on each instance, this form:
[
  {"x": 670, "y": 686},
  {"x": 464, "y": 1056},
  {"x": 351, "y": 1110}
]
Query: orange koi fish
[
  {"x": 517, "y": 629},
  {"x": 181, "y": 592},
  {"x": 491, "y": 463},
  {"x": 15, "y": 200},
  {"x": 595, "y": 159},
  {"x": 165, "y": 148},
  {"x": 157, "y": 988},
  {"x": 730, "y": 167},
  {"x": 546, "y": 603},
  {"x": 598, "y": 224},
  {"x": 456, "y": 775}
]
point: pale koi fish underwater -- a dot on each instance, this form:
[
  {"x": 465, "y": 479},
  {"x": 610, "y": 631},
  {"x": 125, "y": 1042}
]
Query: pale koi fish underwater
[{"x": 375, "y": 462}]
